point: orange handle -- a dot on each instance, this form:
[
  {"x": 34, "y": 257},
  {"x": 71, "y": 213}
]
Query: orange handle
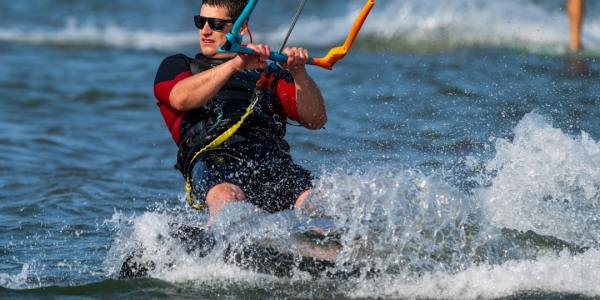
[{"x": 336, "y": 54}]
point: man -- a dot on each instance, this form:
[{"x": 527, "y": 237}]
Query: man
[
  {"x": 575, "y": 11},
  {"x": 203, "y": 97}
]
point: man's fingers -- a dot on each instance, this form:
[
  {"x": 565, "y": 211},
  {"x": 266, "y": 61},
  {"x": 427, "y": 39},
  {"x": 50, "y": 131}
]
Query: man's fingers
[
  {"x": 299, "y": 55},
  {"x": 305, "y": 55},
  {"x": 267, "y": 52},
  {"x": 291, "y": 57},
  {"x": 296, "y": 56},
  {"x": 259, "y": 59},
  {"x": 260, "y": 49},
  {"x": 264, "y": 51}
]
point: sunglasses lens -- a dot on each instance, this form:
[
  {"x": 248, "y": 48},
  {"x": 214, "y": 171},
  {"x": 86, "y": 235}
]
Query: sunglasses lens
[
  {"x": 199, "y": 21},
  {"x": 214, "y": 23},
  {"x": 217, "y": 25}
]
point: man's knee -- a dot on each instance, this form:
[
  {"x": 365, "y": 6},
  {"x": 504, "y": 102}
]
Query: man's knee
[
  {"x": 301, "y": 199},
  {"x": 221, "y": 194}
]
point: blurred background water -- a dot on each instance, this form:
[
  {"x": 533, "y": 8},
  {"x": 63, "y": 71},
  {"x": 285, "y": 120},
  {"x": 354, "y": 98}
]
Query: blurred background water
[{"x": 461, "y": 150}]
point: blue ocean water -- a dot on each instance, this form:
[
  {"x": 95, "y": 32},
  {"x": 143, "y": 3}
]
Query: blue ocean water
[{"x": 461, "y": 155}]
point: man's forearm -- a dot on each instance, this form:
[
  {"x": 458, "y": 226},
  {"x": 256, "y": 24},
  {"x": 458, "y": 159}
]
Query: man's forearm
[
  {"x": 195, "y": 91},
  {"x": 310, "y": 104}
]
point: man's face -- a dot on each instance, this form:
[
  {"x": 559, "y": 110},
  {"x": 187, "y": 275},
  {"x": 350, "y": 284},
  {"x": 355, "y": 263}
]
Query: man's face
[{"x": 211, "y": 40}]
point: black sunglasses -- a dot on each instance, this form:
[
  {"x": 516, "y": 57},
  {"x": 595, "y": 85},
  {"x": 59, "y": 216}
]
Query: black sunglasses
[{"x": 214, "y": 23}]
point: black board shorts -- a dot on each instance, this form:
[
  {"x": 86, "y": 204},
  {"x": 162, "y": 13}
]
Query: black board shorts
[{"x": 268, "y": 177}]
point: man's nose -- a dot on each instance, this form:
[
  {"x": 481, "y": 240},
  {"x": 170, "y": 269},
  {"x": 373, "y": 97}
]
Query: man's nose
[{"x": 206, "y": 29}]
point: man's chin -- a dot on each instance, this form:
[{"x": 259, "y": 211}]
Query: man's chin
[
  {"x": 209, "y": 51},
  {"x": 216, "y": 54}
]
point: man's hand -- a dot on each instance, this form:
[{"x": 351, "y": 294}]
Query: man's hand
[
  {"x": 254, "y": 61},
  {"x": 297, "y": 59}
]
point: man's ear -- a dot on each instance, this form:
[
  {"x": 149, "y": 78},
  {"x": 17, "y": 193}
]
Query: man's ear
[{"x": 244, "y": 28}]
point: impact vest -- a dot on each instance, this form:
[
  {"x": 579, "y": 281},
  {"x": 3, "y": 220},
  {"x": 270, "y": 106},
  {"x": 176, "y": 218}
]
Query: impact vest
[{"x": 200, "y": 126}]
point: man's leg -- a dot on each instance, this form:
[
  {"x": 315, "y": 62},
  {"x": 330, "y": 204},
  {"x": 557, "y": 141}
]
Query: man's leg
[
  {"x": 575, "y": 10},
  {"x": 221, "y": 194},
  {"x": 301, "y": 199}
]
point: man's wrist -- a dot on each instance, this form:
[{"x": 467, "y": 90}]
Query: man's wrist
[
  {"x": 299, "y": 72},
  {"x": 238, "y": 64}
]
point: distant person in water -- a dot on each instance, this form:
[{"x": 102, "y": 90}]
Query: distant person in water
[{"x": 575, "y": 11}]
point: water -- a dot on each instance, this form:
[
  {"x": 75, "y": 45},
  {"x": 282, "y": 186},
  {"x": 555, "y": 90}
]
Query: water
[{"x": 461, "y": 155}]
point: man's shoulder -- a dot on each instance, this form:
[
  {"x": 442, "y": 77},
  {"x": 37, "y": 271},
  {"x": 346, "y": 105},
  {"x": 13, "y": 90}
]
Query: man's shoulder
[
  {"x": 172, "y": 66},
  {"x": 179, "y": 59}
]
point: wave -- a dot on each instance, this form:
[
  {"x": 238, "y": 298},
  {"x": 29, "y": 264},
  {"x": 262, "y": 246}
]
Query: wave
[
  {"x": 428, "y": 239},
  {"x": 442, "y": 25},
  {"x": 418, "y": 26},
  {"x": 75, "y": 35},
  {"x": 548, "y": 276},
  {"x": 108, "y": 288},
  {"x": 530, "y": 228}
]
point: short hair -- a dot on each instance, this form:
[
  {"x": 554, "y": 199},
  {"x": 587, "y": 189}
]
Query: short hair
[{"x": 235, "y": 7}]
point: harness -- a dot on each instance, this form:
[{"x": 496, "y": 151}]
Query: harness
[{"x": 263, "y": 86}]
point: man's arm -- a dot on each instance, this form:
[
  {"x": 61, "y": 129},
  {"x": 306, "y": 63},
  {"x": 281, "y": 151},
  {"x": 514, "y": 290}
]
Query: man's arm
[
  {"x": 310, "y": 103},
  {"x": 195, "y": 91}
]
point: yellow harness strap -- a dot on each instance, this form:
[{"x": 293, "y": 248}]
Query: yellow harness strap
[
  {"x": 263, "y": 83},
  {"x": 216, "y": 142}
]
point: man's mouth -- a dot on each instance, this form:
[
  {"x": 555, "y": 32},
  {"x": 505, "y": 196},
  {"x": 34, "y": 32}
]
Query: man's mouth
[{"x": 207, "y": 41}]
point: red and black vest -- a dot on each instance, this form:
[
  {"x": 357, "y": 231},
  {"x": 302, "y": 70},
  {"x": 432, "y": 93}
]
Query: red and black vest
[{"x": 196, "y": 128}]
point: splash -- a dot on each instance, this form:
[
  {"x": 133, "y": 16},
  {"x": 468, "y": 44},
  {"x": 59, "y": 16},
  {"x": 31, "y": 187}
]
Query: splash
[
  {"x": 18, "y": 281},
  {"x": 553, "y": 274},
  {"x": 403, "y": 234},
  {"x": 399, "y": 221},
  {"x": 236, "y": 226},
  {"x": 386, "y": 221},
  {"x": 546, "y": 181}
]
